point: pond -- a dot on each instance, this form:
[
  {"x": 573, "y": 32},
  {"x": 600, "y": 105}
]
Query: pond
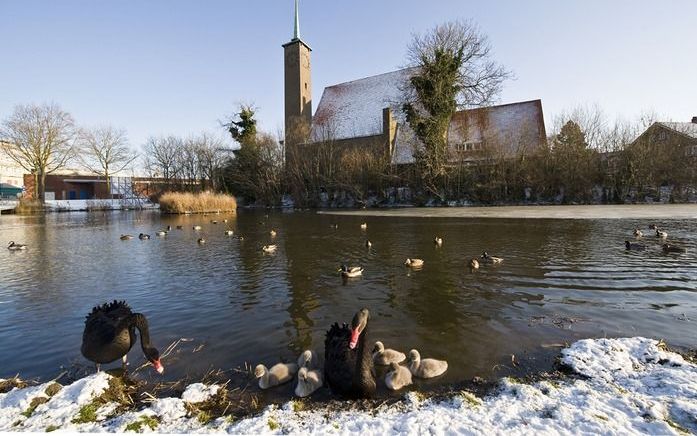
[{"x": 560, "y": 280}]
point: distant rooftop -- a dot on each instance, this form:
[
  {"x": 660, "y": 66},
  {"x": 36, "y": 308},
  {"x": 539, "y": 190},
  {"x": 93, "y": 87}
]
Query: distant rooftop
[{"x": 688, "y": 129}]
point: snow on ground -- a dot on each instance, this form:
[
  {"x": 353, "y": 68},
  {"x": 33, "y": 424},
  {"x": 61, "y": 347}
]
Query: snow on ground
[{"x": 628, "y": 386}]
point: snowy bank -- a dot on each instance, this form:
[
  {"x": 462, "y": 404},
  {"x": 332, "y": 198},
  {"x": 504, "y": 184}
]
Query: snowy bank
[{"x": 627, "y": 386}]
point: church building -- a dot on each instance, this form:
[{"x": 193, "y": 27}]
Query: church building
[{"x": 366, "y": 113}]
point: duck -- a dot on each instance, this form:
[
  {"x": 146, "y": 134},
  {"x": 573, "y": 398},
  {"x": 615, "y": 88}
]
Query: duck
[
  {"x": 351, "y": 271},
  {"x": 397, "y": 377},
  {"x": 269, "y": 248},
  {"x": 661, "y": 234},
  {"x": 425, "y": 368},
  {"x": 364, "y": 226},
  {"x": 225, "y": 220},
  {"x": 668, "y": 248},
  {"x": 368, "y": 244},
  {"x": 214, "y": 222},
  {"x": 633, "y": 246},
  {"x": 161, "y": 233},
  {"x": 334, "y": 226},
  {"x": 438, "y": 241},
  {"x": 414, "y": 263},
  {"x": 197, "y": 227},
  {"x": 474, "y": 263},
  {"x": 201, "y": 241},
  {"x": 126, "y": 237},
  {"x": 348, "y": 365},
  {"x": 638, "y": 233},
  {"x": 13, "y": 246},
  {"x": 653, "y": 227},
  {"x": 383, "y": 356},
  {"x": 272, "y": 233},
  {"x": 486, "y": 258},
  {"x": 169, "y": 228},
  {"x": 309, "y": 359},
  {"x": 110, "y": 334},
  {"x": 180, "y": 227},
  {"x": 229, "y": 233},
  {"x": 276, "y": 375},
  {"x": 308, "y": 382},
  {"x": 143, "y": 236}
]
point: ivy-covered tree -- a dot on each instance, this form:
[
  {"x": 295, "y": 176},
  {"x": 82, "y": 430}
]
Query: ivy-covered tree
[
  {"x": 255, "y": 170},
  {"x": 243, "y": 126},
  {"x": 454, "y": 70}
]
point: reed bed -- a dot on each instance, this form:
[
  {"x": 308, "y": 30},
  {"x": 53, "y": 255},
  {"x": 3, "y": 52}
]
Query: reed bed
[{"x": 203, "y": 202}]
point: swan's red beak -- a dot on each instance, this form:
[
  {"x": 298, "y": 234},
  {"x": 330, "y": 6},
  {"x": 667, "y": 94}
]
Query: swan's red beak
[
  {"x": 158, "y": 366},
  {"x": 355, "y": 333}
]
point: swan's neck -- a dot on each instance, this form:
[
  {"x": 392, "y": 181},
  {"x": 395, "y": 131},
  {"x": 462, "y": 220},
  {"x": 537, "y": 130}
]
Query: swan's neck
[
  {"x": 414, "y": 365},
  {"x": 139, "y": 321},
  {"x": 364, "y": 358},
  {"x": 264, "y": 379}
]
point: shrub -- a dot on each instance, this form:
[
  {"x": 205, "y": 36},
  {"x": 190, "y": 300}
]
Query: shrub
[{"x": 185, "y": 202}]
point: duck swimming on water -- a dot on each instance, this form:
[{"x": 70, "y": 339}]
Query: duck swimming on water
[
  {"x": 414, "y": 263},
  {"x": 487, "y": 258},
  {"x": 13, "y": 246},
  {"x": 351, "y": 271},
  {"x": 110, "y": 334},
  {"x": 633, "y": 246}
]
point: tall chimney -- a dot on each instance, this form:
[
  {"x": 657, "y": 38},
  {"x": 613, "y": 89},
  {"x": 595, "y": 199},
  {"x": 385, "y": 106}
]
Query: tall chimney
[{"x": 694, "y": 120}]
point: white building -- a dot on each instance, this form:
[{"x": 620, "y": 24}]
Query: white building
[{"x": 10, "y": 172}]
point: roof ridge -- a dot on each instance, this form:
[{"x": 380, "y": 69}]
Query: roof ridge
[{"x": 371, "y": 77}]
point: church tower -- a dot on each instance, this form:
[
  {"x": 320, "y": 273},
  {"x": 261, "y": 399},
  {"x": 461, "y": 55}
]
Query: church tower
[{"x": 297, "y": 88}]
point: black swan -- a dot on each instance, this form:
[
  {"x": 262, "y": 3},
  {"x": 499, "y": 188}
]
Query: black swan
[
  {"x": 348, "y": 364},
  {"x": 110, "y": 333}
]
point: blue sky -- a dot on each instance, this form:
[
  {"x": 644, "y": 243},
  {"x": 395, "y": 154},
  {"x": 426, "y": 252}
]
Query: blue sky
[{"x": 177, "y": 67}]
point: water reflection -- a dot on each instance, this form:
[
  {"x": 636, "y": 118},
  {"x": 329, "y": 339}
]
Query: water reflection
[{"x": 560, "y": 280}]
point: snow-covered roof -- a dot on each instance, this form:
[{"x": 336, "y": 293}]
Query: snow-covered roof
[
  {"x": 688, "y": 129},
  {"x": 354, "y": 109},
  {"x": 508, "y": 126}
]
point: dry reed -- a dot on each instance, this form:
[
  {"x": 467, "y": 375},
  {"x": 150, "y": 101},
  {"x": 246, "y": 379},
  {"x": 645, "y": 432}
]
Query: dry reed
[{"x": 203, "y": 202}]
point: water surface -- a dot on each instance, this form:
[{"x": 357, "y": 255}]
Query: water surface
[{"x": 561, "y": 280}]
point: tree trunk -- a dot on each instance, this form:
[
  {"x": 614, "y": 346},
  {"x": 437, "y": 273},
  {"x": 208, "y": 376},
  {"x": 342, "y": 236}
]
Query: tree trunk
[
  {"x": 108, "y": 184},
  {"x": 42, "y": 186}
]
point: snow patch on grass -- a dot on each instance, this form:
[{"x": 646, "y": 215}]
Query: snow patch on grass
[
  {"x": 629, "y": 386},
  {"x": 198, "y": 392}
]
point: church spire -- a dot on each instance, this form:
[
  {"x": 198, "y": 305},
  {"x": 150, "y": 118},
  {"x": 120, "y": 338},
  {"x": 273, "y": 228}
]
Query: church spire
[{"x": 296, "y": 28}]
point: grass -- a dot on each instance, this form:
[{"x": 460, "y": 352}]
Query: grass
[
  {"x": 470, "y": 398},
  {"x": 87, "y": 413},
  {"x": 117, "y": 392},
  {"x": 11, "y": 383},
  {"x": 203, "y": 202},
  {"x": 35, "y": 402},
  {"x": 144, "y": 421},
  {"x": 273, "y": 425}
]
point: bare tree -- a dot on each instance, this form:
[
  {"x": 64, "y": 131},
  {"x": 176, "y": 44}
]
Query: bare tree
[
  {"x": 453, "y": 70},
  {"x": 40, "y": 138},
  {"x": 105, "y": 151},
  {"x": 478, "y": 77},
  {"x": 162, "y": 157},
  {"x": 212, "y": 153}
]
